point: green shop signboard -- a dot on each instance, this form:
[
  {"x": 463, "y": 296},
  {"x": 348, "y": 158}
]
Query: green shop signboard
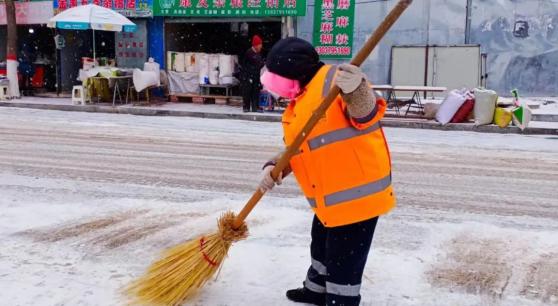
[
  {"x": 333, "y": 28},
  {"x": 229, "y": 8}
]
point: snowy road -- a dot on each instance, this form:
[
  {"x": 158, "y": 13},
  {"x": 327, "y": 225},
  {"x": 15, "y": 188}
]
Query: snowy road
[{"x": 88, "y": 200}]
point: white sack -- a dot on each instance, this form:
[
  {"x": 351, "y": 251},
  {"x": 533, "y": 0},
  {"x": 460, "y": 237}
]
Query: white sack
[
  {"x": 485, "y": 105},
  {"x": 145, "y": 79},
  {"x": 153, "y": 66},
  {"x": 226, "y": 65},
  {"x": 451, "y": 105},
  {"x": 179, "y": 62}
]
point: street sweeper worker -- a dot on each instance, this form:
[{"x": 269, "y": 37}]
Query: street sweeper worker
[{"x": 343, "y": 167}]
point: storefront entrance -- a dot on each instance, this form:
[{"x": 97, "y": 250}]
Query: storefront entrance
[
  {"x": 36, "y": 56},
  {"x": 228, "y": 37},
  {"x": 205, "y": 55}
]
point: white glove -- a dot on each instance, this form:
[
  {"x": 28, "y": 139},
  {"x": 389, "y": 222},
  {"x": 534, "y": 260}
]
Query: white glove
[
  {"x": 267, "y": 183},
  {"x": 348, "y": 78}
]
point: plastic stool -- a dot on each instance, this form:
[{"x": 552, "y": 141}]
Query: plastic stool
[
  {"x": 78, "y": 95},
  {"x": 4, "y": 92}
]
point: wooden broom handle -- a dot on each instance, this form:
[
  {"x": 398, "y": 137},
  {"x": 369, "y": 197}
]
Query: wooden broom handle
[{"x": 293, "y": 149}]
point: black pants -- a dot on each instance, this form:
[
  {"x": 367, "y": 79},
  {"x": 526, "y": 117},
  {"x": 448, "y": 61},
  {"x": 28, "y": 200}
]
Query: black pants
[
  {"x": 338, "y": 258},
  {"x": 250, "y": 94}
]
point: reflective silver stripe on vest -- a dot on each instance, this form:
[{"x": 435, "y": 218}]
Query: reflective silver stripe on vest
[
  {"x": 342, "y": 290},
  {"x": 358, "y": 192},
  {"x": 339, "y": 135},
  {"x": 310, "y": 285},
  {"x": 312, "y": 202},
  {"x": 328, "y": 79},
  {"x": 319, "y": 267}
]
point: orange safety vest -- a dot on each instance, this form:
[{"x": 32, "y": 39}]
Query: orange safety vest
[{"x": 343, "y": 167}]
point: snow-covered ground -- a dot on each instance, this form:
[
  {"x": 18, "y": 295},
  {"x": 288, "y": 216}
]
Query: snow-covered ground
[{"x": 89, "y": 200}]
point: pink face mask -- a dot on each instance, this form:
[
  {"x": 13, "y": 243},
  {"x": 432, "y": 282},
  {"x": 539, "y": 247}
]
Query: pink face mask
[{"x": 279, "y": 86}]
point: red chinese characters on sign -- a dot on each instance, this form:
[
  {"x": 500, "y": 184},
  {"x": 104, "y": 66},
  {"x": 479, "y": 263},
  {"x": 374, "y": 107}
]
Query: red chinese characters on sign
[
  {"x": 290, "y": 3},
  {"x": 341, "y": 39},
  {"x": 62, "y": 4},
  {"x": 342, "y": 22},
  {"x": 326, "y": 27},
  {"x": 272, "y": 3},
  {"x": 73, "y": 3},
  {"x": 84, "y": 2},
  {"x": 186, "y": 3},
  {"x": 328, "y": 4},
  {"x": 326, "y": 39},
  {"x": 216, "y": 3},
  {"x": 131, "y": 4},
  {"x": 254, "y": 3},
  {"x": 327, "y": 15},
  {"x": 236, "y": 4},
  {"x": 203, "y": 4},
  {"x": 20, "y": 11},
  {"x": 119, "y": 4},
  {"x": 97, "y": 2},
  {"x": 107, "y": 3},
  {"x": 343, "y": 4}
]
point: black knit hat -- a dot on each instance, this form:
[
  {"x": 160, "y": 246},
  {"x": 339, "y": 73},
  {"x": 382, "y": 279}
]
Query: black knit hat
[{"x": 295, "y": 59}]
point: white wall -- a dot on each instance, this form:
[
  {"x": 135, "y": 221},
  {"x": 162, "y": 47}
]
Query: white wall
[{"x": 527, "y": 61}]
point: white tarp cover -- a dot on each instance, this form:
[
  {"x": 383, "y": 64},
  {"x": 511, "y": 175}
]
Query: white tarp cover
[{"x": 183, "y": 82}]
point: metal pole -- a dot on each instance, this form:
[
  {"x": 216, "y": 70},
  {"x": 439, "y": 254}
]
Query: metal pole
[
  {"x": 58, "y": 72},
  {"x": 290, "y": 26},
  {"x": 284, "y": 28},
  {"x": 58, "y": 63},
  {"x": 94, "y": 55},
  {"x": 427, "y": 51},
  {"x": 469, "y": 10}
]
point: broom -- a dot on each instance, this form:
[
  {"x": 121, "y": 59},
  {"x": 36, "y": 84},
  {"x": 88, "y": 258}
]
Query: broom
[{"x": 185, "y": 268}]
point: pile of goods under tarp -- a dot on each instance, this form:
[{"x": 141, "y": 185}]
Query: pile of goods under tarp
[
  {"x": 214, "y": 69},
  {"x": 482, "y": 105}
]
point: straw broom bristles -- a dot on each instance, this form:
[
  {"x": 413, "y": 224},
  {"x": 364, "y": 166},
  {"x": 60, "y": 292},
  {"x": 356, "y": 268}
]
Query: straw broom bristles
[{"x": 185, "y": 268}]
